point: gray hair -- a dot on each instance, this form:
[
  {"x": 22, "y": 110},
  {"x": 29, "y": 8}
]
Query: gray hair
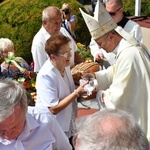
[
  {"x": 109, "y": 129},
  {"x": 11, "y": 94},
  {"x": 48, "y": 11},
  {"x": 5, "y": 43}
]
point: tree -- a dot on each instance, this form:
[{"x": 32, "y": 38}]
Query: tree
[
  {"x": 20, "y": 21},
  {"x": 129, "y": 7}
]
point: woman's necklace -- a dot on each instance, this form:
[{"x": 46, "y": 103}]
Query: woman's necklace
[{"x": 62, "y": 72}]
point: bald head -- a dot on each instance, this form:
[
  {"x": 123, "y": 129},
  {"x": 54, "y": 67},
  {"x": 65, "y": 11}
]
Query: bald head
[
  {"x": 50, "y": 12},
  {"x": 111, "y": 124},
  {"x": 52, "y": 19},
  {"x": 109, "y": 129}
]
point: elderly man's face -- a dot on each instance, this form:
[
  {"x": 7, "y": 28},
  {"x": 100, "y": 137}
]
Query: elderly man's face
[
  {"x": 54, "y": 24},
  {"x": 107, "y": 42},
  {"x": 12, "y": 126}
]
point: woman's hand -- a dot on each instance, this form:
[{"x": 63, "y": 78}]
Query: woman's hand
[
  {"x": 80, "y": 90},
  {"x": 85, "y": 96}
]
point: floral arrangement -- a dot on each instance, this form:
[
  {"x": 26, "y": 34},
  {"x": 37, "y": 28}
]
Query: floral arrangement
[
  {"x": 84, "y": 51},
  {"x": 21, "y": 76},
  {"x": 13, "y": 60}
]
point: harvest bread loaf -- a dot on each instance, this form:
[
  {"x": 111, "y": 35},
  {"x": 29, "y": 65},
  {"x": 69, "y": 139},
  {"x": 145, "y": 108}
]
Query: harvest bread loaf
[{"x": 80, "y": 68}]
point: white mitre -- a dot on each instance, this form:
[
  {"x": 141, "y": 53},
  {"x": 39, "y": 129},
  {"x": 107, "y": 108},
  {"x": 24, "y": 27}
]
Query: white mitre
[{"x": 101, "y": 23}]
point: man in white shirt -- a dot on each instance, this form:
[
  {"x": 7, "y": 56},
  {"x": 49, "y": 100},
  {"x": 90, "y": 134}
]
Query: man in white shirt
[
  {"x": 26, "y": 128},
  {"x": 115, "y": 9},
  {"x": 51, "y": 24}
]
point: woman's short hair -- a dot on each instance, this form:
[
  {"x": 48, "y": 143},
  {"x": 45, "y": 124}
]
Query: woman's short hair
[
  {"x": 5, "y": 43},
  {"x": 54, "y": 43}
]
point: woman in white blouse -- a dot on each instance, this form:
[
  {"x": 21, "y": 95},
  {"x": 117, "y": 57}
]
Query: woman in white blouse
[{"x": 55, "y": 85}]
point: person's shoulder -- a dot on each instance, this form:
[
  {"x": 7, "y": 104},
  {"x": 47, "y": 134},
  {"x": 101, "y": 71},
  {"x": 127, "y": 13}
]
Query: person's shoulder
[
  {"x": 47, "y": 67},
  {"x": 73, "y": 17},
  {"x": 33, "y": 110},
  {"x": 132, "y": 23},
  {"x": 39, "y": 32},
  {"x": 47, "y": 71},
  {"x": 128, "y": 50},
  {"x": 41, "y": 114},
  {"x": 42, "y": 110},
  {"x": 41, "y": 35},
  {"x": 21, "y": 59},
  {"x": 64, "y": 32}
]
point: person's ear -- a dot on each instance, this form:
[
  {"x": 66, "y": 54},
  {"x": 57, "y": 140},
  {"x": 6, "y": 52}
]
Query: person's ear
[
  {"x": 44, "y": 22},
  {"x": 122, "y": 10},
  {"x": 52, "y": 57},
  {"x": 111, "y": 35}
]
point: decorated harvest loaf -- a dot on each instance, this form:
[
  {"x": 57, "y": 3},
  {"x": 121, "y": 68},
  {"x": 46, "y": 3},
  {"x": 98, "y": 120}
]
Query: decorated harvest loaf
[{"x": 80, "y": 68}]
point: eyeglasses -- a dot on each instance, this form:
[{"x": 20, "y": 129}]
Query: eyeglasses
[
  {"x": 67, "y": 54},
  {"x": 114, "y": 13},
  {"x": 56, "y": 22}
]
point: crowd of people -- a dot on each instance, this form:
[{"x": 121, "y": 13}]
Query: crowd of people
[{"x": 123, "y": 121}]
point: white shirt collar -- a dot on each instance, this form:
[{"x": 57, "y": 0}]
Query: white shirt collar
[{"x": 46, "y": 34}]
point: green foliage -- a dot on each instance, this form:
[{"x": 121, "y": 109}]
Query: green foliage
[
  {"x": 129, "y": 7},
  {"x": 21, "y": 20},
  {"x": 84, "y": 51}
]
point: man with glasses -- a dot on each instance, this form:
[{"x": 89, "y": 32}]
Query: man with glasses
[
  {"x": 115, "y": 9},
  {"x": 51, "y": 25},
  {"x": 124, "y": 85},
  {"x": 23, "y": 127}
]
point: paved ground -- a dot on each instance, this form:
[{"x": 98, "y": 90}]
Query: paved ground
[
  {"x": 88, "y": 104},
  {"x": 86, "y": 107}
]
